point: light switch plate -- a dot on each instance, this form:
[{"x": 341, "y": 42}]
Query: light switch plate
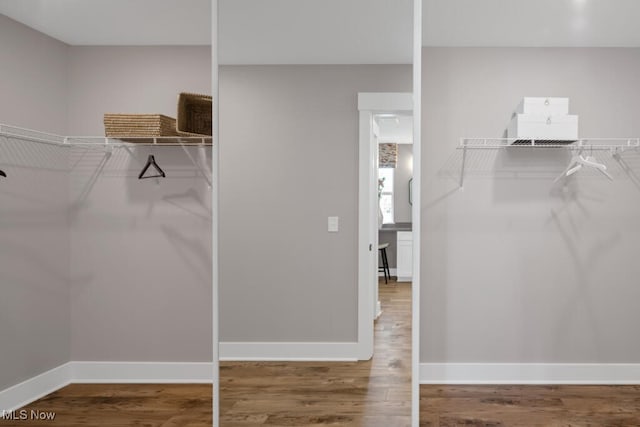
[{"x": 333, "y": 224}]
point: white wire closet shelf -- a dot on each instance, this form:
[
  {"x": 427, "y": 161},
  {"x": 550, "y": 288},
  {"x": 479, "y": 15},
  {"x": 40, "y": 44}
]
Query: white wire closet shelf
[
  {"x": 107, "y": 144},
  {"x": 615, "y": 146},
  {"x": 100, "y": 141}
]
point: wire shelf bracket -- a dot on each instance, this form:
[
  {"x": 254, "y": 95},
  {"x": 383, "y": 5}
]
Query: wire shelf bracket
[
  {"x": 615, "y": 146},
  {"x": 108, "y": 144}
]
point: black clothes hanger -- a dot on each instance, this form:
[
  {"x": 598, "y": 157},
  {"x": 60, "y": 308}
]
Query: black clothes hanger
[{"x": 152, "y": 161}]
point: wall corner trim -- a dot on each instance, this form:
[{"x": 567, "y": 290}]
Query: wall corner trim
[
  {"x": 289, "y": 351},
  {"x": 35, "y": 388},
  {"x": 26, "y": 392},
  {"x": 530, "y": 373}
]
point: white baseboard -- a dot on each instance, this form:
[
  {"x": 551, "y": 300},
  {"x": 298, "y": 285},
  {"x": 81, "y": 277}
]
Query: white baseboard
[
  {"x": 392, "y": 271},
  {"x": 142, "y": 372},
  {"x": 37, "y": 387},
  {"x": 34, "y": 388},
  {"x": 530, "y": 373},
  {"x": 289, "y": 351}
]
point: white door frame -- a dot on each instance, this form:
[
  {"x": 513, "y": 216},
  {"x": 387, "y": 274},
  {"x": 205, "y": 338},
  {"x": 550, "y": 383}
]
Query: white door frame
[
  {"x": 416, "y": 211},
  {"x": 215, "y": 164},
  {"x": 370, "y": 104}
]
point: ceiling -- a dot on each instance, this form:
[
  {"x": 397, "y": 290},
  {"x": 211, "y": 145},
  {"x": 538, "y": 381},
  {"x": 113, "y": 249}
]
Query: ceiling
[
  {"x": 331, "y": 31},
  {"x": 316, "y": 31},
  {"x": 251, "y": 31},
  {"x": 531, "y": 23},
  {"x": 395, "y": 128},
  {"x": 116, "y": 22}
]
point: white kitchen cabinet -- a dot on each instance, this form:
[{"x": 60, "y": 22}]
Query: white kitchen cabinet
[{"x": 404, "y": 261}]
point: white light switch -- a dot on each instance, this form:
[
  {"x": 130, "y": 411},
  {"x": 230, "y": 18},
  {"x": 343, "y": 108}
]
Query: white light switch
[{"x": 333, "y": 224}]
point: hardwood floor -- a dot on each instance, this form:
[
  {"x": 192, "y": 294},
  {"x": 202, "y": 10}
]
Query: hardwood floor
[
  {"x": 373, "y": 393},
  {"x": 119, "y": 405},
  {"x": 529, "y": 406}
]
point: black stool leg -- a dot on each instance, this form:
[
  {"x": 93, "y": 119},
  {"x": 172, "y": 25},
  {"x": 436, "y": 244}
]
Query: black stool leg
[
  {"x": 385, "y": 265},
  {"x": 384, "y": 270}
]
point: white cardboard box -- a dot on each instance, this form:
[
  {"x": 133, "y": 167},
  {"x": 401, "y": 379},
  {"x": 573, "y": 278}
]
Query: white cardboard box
[
  {"x": 543, "y": 128},
  {"x": 544, "y": 106}
]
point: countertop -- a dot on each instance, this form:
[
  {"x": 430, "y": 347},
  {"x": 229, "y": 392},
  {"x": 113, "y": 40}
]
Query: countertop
[{"x": 399, "y": 226}]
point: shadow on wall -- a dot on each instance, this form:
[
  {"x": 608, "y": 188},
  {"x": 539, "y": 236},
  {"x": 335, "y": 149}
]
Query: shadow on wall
[
  {"x": 193, "y": 252},
  {"x": 88, "y": 166},
  {"x": 517, "y": 172},
  {"x": 34, "y": 258},
  {"x": 520, "y": 171},
  {"x": 549, "y": 235},
  {"x": 33, "y": 201},
  {"x": 585, "y": 258},
  {"x": 141, "y": 249},
  {"x": 34, "y": 192},
  {"x": 107, "y": 196}
]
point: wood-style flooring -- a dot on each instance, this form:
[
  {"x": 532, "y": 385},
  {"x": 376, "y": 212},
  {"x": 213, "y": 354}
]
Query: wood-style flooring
[
  {"x": 120, "y": 405},
  {"x": 372, "y": 393},
  {"x": 529, "y": 406}
]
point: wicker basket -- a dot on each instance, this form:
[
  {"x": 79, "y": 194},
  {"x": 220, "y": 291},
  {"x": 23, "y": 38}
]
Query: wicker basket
[
  {"x": 139, "y": 125},
  {"x": 194, "y": 114}
]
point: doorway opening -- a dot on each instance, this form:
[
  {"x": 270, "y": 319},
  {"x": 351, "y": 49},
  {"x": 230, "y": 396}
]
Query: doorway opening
[{"x": 384, "y": 222}]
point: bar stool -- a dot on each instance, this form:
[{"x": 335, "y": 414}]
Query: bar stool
[{"x": 385, "y": 262}]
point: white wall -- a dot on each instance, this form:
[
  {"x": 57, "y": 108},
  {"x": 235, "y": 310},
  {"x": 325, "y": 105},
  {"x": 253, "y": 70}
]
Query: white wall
[
  {"x": 289, "y": 159},
  {"x": 119, "y": 79},
  {"x": 141, "y": 250},
  {"x": 34, "y": 260},
  {"x": 403, "y": 173},
  {"x": 140, "y": 258},
  {"x": 33, "y": 79},
  {"x": 34, "y": 245},
  {"x": 513, "y": 268},
  {"x": 95, "y": 264}
]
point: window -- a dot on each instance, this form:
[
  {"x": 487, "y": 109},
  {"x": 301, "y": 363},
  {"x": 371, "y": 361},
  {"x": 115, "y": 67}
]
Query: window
[{"x": 385, "y": 194}]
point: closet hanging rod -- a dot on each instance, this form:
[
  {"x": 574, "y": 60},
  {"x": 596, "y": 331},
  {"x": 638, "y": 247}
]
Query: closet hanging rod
[
  {"x": 114, "y": 142},
  {"x": 100, "y": 141},
  {"x": 615, "y": 146},
  {"x": 30, "y": 135},
  {"x": 611, "y": 144}
]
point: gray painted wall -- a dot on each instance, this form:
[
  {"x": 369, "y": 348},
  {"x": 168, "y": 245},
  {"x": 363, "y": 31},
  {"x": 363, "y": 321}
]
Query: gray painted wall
[
  {"x": 34, "y": 254},
  {"x": 95, "y": 264},
  {"x": 515, "y": 269},
  {"x": 140, "y": 258},
  {"x": 131, "y": 80},
  {"x": 33, "y": 78},
  {"x": 390, "y": 237},
  {"x": 141, "y": 250},
  {"x": 403, "y": 173},
  {"x": 289, "y": 159},
  {"x": 34, "y": 260}
]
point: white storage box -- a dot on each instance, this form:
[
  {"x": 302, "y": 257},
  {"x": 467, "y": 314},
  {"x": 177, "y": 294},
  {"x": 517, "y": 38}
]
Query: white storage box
[
  {"x": 544, "y": 106},
  {"x": 551, "y": 129}
]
